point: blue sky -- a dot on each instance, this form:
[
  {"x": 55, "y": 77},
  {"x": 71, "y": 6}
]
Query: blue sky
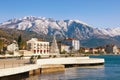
[{"x": 98, "y": 13}]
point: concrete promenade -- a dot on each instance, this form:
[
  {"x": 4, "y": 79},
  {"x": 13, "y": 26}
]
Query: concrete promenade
[
  {"x": 70, "y": 60},
  {"x": 18, "y": 70},
  {"x": 15, "y": 62},
  {"x": 42, "y": 62}
]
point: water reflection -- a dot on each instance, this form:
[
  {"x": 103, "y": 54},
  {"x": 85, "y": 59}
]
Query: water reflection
[
  {"x": 32, "y": 78},
  {"x": 86, "y": 73}
]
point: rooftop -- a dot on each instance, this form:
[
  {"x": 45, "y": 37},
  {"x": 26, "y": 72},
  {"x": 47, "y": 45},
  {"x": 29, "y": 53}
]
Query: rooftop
[{"x": 70, "y": 39}]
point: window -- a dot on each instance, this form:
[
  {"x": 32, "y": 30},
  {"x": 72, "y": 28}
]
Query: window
[
  {"x": 40, "y": 51},
  {"x": 34, "y": 51},
  {"x": 37, "y": 50},
  {"x": 44, "y": 45},
  {"x": 44, "y": 51}
]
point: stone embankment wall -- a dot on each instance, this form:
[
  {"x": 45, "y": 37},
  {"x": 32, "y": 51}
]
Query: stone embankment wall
[
  {"x": 48, "y": 65},
  {"x": 26, "y": 71},
  {"x": 52, "y": 68}
]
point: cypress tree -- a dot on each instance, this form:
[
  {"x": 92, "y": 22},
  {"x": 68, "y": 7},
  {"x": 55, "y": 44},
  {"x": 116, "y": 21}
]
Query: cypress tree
[{"x": 19, "y": 41}]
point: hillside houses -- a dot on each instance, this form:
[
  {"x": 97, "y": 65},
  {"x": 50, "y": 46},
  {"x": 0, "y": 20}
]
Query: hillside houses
[
  {"x": 107, "y": 49},
  {"x": 94, "y": 50},
  {"x": 111, "y": 49},
  {"x": 69, "y": 45},
  {"x": 13, "y": 47}
]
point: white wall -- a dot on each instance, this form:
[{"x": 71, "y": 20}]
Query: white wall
[{"x": 70, "y": 60}]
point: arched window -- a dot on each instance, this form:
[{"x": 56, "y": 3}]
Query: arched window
[
  {"x": 44, "y": 51},
  {"x": 34, "y": 51},
  {"x": 40, "y": 51},
  {"x": 37, "y": 50}
]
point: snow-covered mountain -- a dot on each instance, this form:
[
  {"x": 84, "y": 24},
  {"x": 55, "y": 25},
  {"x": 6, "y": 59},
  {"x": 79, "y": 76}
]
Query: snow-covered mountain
[
  {"x": 61, "y": 28},
  {"x": 111, "y": 31}
]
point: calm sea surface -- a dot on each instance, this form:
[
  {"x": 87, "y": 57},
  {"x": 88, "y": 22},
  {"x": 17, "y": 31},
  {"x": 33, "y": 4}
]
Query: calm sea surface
[{"x": 109, "y": 71}]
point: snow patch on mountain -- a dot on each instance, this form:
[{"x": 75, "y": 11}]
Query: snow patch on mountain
[
  {"x": 62, "y": 28},
  {"x": 111, "y": 31}
]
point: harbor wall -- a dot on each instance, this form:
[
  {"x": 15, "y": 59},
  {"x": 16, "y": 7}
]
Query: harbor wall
[
  {"x": 70, "y": 60},
  {"x": 48, "y": 65},
  {"x": 52, "y": 68}
]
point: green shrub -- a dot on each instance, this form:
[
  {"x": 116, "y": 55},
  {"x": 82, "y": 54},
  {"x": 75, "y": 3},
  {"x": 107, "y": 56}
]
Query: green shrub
[
  {"x": 50, "y": 56},
  {"x": 39, "y": 57},
  {"x": 54, "y": 56},
  {"x": 33, "y": 59}
]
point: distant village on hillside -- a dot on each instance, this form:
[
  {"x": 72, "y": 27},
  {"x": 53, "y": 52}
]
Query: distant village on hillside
[{"x": 68, "y": 47}]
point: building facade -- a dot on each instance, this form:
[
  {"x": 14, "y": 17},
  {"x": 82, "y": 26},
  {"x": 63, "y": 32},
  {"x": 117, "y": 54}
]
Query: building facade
[
  {"x": 38, "y": 47},
  {"x": 86, "y": 50},
  {"x": 72, "y": 42},
  {"x": 112, "y": 49},
  {"x": 115, "y": 49},
  {"x": 64, "y": 47},
  {"x": 13, "y": 47}
]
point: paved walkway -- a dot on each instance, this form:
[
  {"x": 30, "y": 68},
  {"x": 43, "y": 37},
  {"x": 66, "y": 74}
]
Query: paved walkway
[{"x": 9, "y": 63}]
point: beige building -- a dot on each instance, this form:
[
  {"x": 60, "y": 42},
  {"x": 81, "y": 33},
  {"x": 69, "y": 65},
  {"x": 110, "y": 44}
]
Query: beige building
[
  {"x": 64, "y": 47},
  {"x": 94, "y": 50},
  {"x": 38, "y": 47},
  {"x": 115, "y": 49},
  {"x": 86, "y": 50},
  {"x": 13, "y": 47}
]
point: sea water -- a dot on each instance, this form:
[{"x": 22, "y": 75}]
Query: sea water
[{"x": 109, "y": 71}]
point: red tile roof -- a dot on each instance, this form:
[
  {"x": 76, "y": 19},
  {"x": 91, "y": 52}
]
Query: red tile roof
[{"x": 70, "y": 39}]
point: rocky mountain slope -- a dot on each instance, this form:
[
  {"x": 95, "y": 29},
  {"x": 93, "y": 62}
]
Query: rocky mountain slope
[{"x": 89, "y": 36}]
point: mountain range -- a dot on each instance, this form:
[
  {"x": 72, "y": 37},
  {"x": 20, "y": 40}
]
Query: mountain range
[{"x": 88, "y": 35}]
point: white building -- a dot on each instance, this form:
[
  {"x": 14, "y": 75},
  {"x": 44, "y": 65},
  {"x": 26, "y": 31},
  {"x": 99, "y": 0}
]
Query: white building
[
  {"x": 38, "y": 47},
  {"x": 13, "y": 47},
  {"x": 115, "y": 49},
  {"x": 72, "y": 42}
]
